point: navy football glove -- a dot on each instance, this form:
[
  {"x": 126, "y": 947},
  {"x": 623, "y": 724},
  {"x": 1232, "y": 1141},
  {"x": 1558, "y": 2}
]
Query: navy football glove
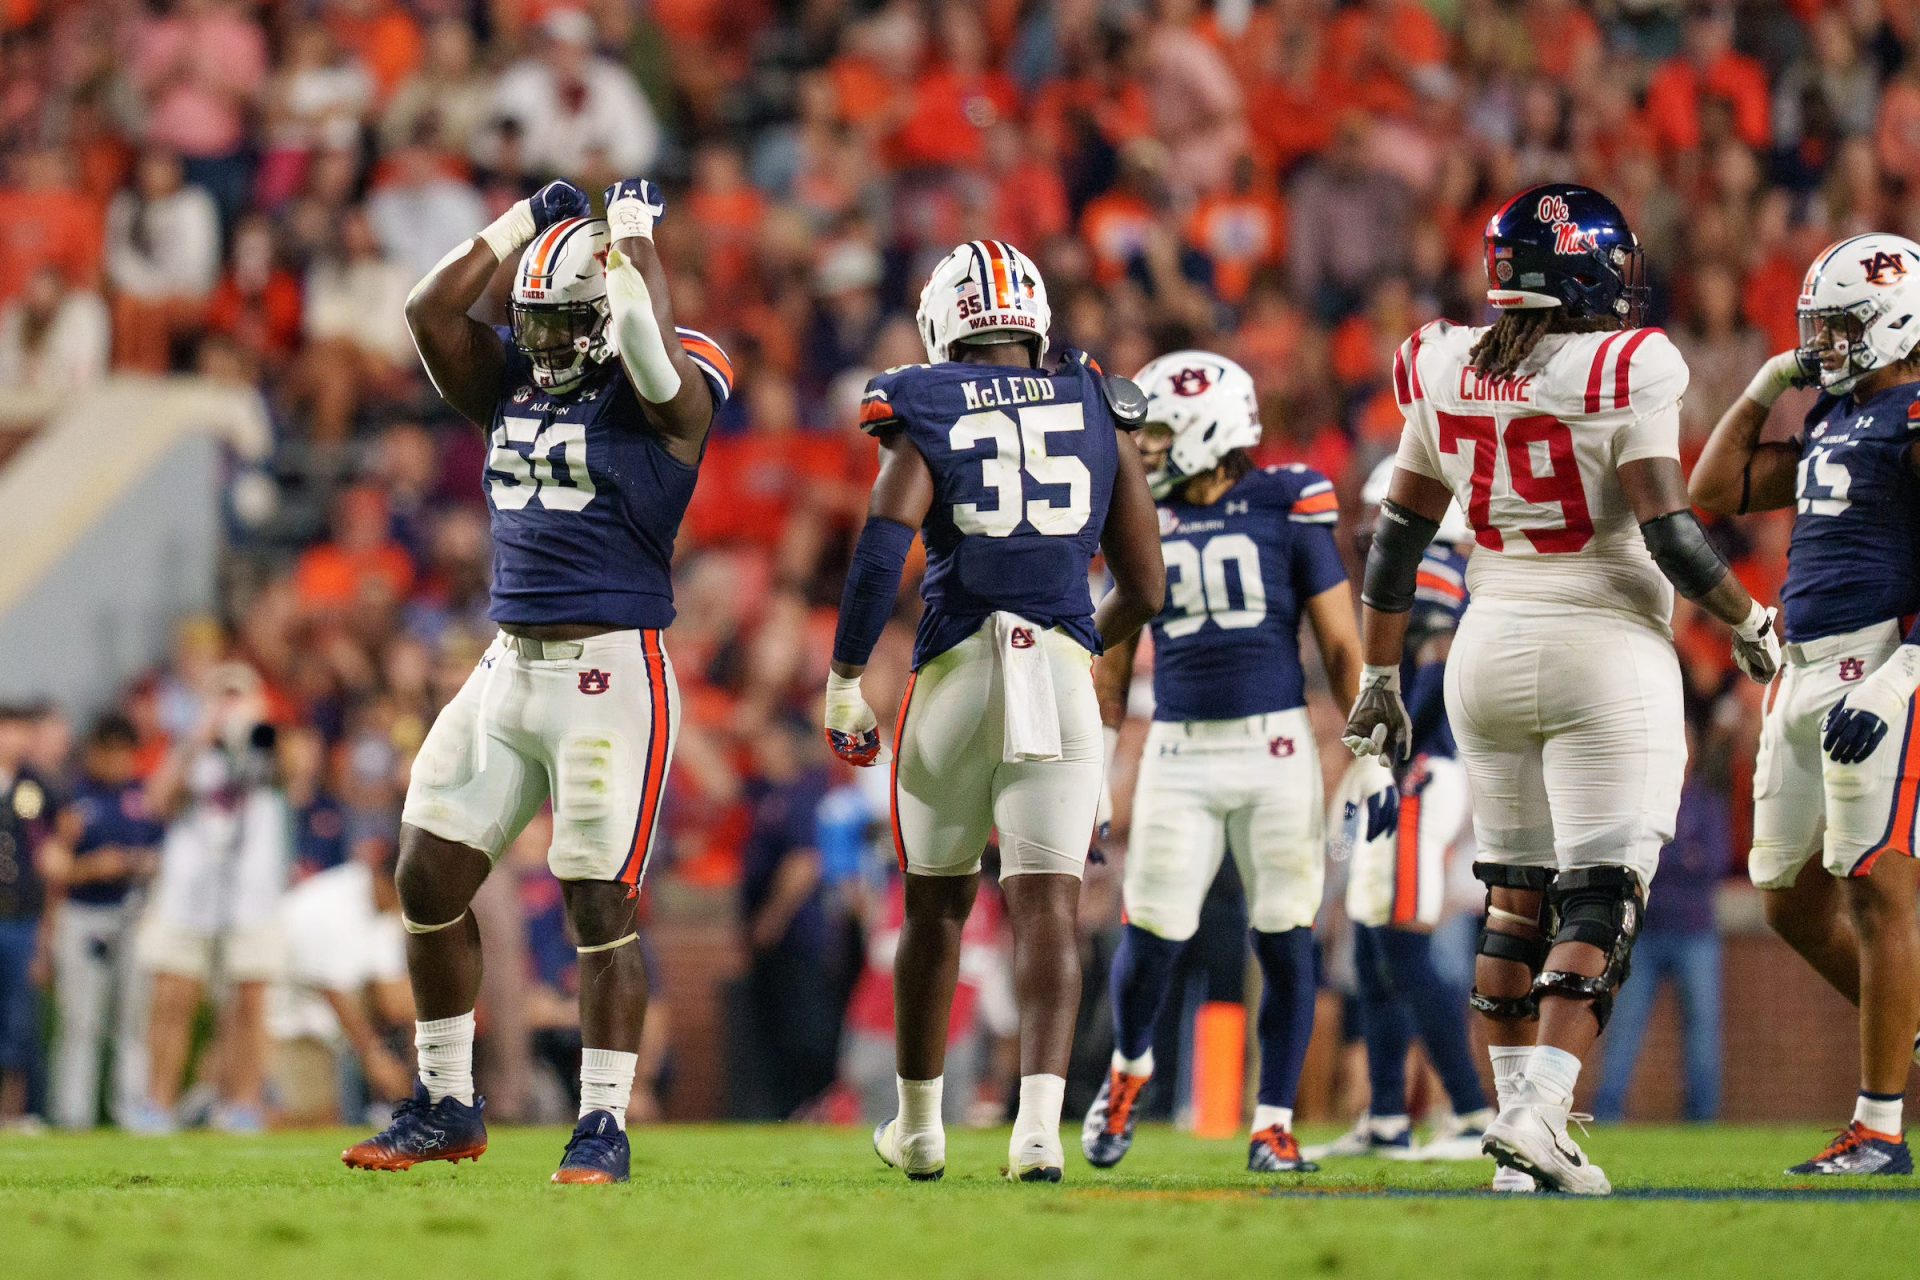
[
  {"x": 556, "y": 202},
  {"x": 1850, "y": 735},
  {"x": 645, "y": 190}
]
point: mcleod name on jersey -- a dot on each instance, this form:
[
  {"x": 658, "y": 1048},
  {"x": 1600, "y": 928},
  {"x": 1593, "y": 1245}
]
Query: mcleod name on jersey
[
  {"x": 1227, "y": 645},
  {"x": 585, "y": 499},
  {"x": 1855, "y": 555},
  {"x": 1023, "y": 464},
  {"x": 1532, "y": 457}
]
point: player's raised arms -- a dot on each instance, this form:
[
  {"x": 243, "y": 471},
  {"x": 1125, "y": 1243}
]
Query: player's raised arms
[{"x": 464, "y": 357}]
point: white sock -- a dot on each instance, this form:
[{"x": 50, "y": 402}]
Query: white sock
[
  {"x": 1553, "y": 1072},
  {"x": 1265, "y": 1117},
  {"x": 1036, "y": 1126},
  {"x": 445, "y": 1046},
  {"x": 920, "y": 1104},
  {"x": 1388, "y": 1127},
  {"x": 1880, "y": 1114},
  {"x": 1509, "y": 1065},
  {"x": 1140, "y": 1066},
  {"x": 606, "y": 1082}
]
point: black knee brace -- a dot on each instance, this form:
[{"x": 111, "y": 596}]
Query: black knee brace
[
  {"x": 1599, "y": 906},
  {"x": 1531, "y": 952}
]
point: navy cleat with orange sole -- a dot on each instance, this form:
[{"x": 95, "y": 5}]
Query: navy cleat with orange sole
[
  {"x": 423, "y": 1130},
  {"x": 597, "y": 1152},
  {"x": 1274, "y": 1150},
  {"x": 1859, "y": 1150}
]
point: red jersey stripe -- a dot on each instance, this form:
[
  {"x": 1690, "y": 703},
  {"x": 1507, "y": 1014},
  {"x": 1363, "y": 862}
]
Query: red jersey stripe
[
  {"x": 1594, "y": 374},
  {"x": 1624, "y": 365}
]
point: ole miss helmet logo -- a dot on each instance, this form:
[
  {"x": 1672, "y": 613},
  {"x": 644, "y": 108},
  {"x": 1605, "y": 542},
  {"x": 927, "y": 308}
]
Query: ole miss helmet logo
[
  {"x": 1022, "y": 638},
  {"x": 1191, "y": 382},
  {"x": 595, "y": 681},
  {"x": 1884, "y": 268},
  {"x": 1852, "y": 668}
]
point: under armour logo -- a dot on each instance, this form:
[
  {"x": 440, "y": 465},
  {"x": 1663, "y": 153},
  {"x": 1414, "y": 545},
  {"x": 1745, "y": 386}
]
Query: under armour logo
[
  {"x": 1852, "y": 668},
  {"x": 1236, "y": 508},
  {"x": 595, "y": 681},
  {"x": 1022, "y": 638},
  {"x": 1280, "y": 748}
]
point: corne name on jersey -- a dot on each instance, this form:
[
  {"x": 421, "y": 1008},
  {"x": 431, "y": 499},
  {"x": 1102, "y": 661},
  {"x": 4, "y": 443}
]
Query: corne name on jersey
[
  {"x": 1498, "y": 388},
  {"x": 996, "y": 392}
]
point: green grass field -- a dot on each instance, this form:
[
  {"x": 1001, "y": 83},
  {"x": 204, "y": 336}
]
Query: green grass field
[{"x": 793, "y": 1202}]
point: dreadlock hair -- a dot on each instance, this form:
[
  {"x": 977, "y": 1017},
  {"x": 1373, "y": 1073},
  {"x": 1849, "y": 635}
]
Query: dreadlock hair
[{"x": 1515, "y": 334}]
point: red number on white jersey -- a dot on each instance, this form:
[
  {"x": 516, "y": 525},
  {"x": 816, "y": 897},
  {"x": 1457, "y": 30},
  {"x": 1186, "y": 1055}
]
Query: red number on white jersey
[{"x": 1560, "y": 485}]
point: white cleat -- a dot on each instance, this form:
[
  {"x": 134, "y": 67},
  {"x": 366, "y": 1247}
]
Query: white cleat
[
  {"x": 922, "y": 1156},
  {"x": 1362, "y": 1140},
  {"x": 1512, "y": 1182},
  {"x": 1532, "y": 1137},
  {"x": 1036, "y": 1161},
  {"x": 1458, "y": 1139}
]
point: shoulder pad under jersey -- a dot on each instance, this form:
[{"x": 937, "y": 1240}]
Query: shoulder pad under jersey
[{"x": 1126, "y": 399}]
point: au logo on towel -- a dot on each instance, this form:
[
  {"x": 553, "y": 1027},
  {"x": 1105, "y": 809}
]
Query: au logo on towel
[{"x": 1022, "y": 638}]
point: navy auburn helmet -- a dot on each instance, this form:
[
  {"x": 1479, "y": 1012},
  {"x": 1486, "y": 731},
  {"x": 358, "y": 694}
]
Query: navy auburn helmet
[{"x": 1565, "y": 245}]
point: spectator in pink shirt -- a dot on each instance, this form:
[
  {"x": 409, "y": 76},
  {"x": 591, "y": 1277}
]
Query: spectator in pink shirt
[{"x": 200, "y": 68}]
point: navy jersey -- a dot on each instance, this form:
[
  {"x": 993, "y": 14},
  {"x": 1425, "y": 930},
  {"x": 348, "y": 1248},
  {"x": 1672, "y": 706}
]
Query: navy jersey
[
  {"x": 1227, "y": 645},
  {"x": 1855, "y": 555},
  {"x": 111, "y": 817},
  {"x": 585, "y": 499},
  {"x": 1439, "y": 600},
  {"x": 1023, "y": 464}
]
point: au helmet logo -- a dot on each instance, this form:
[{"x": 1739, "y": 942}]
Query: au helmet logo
[
  {"x": 1884, "y": 268},
  {"x": 1191, "y": 382},
  {"x": 595, "y": 681}
]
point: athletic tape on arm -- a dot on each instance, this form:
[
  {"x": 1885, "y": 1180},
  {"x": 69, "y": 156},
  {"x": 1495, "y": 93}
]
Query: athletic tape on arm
[{"x": 636, "y": 333}]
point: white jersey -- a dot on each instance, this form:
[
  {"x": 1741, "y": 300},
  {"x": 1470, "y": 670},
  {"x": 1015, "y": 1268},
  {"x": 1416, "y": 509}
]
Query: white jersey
[{"x": 1532, "y": 459}]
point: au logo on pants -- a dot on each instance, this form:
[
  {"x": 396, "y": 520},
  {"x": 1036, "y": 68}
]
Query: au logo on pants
[{"x": 595, "y": 681}]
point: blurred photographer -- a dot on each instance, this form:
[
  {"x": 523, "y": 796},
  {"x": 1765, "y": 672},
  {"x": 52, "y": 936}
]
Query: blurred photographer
[{"x": 210, "y": 926}]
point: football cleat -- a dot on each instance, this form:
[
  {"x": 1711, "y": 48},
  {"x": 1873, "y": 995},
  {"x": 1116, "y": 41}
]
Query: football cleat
[
  {"x": 1532, "y": 1137},
  {"x": 423, "y": 1130},
  {"x": 596, "y": 1153},
  {"x": 1036, "y": 1160},
  {"x": 1364, "y": 1140},
  {"x": 922, "y": 1156},
  {"x": 1107, "y": 1135},
  {"x": 1458, "y": 1139},
  {"x": 1512, "y": 1182},
  {"x": 1273, "y": 1150},
  {"x": 1859, "y": 1150}
]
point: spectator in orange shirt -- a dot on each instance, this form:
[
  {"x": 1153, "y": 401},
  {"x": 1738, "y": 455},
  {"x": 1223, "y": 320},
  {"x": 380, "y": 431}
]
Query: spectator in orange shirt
[
  {"x": 1289, "y": 106},
  {"x": 1027, "y": 199},
  {"x": 1708, "y": 69},
  {"x": 729, "y": 212},
  {"x": 1241, "y": 230},
  {"x": 1564, "y": 38},
  {"x": 336, "y": 575},
  {"x": 1116, "y": 225},
  {"x": 1392, "y": 52},
  {"x": 385, "y": 36},
  {"x": 955, "y": 100},
  {"x": 44, "y": 221},
  {"x": 257, "y": 302}
]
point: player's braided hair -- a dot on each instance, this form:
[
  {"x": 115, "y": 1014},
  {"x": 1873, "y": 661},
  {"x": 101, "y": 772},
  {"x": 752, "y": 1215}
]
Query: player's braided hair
[{"x": 1515, "y": 334}]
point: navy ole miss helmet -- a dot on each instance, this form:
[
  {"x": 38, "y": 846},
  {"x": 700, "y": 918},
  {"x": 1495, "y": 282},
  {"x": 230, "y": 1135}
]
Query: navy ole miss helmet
[{"x": 1565, "y": 245}]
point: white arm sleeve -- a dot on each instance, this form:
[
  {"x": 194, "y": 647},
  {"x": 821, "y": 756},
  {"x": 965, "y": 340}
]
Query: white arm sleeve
[{"x": 636, "y": 334}]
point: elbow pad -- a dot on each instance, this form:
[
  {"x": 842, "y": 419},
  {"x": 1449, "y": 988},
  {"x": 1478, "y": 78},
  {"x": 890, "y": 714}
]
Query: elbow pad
[
  {"x": 1680, "y": 547},
  {"x": 1393, "y": 561},
  {"x": 636, "y": 332},
  {"x": 872, "y": 590}
]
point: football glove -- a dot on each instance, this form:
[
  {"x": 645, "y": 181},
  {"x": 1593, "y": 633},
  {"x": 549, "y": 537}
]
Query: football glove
[
  {"x": 852, "y": 730},
  {"x": 1756, "y": 645},
  {"x": 633, "y": 206},
  {"x": 556, "y": 202},
  {"x": 1860, "y": 722},
  {"x": 1378, "y": 724}
]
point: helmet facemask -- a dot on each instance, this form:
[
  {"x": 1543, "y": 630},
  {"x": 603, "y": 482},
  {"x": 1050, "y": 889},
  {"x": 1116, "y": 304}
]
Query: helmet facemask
[
  {"x": 1155, "y": 440},
  {"x": 561, "y": 339},
  {"x": 1834, "y": 340}
]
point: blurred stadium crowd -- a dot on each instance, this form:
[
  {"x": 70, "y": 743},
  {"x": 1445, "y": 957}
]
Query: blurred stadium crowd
[{"x": 246, "y": 189}]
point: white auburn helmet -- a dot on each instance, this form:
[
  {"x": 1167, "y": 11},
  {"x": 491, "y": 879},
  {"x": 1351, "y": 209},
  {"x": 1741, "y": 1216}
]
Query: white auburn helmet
[
  {"x": 1208, "y": 402},
  {"x": 559, "y": 303},
  {"x": 1453, "y": 525},
  {"x": 984, "y": 290},
  {"x": 1860, "y": 307}
]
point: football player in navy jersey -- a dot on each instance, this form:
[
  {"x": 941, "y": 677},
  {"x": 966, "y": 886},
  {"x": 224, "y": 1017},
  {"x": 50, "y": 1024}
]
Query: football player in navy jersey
[
  {"x": 1401, "y": 832},
  {"x": 1015, "y": 478},
  {"x": 1838, "y": 767},
  {"x": 1230, "y": 762},
  {"x": 597, "y": 410}
]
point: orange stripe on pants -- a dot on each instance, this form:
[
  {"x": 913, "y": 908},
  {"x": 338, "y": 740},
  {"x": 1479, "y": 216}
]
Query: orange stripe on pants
[
  {"x": 1406, "y": 863},
  {"x": 659, "y": 732},
  {"x": 893, "y": 789},
  {"x": 1906, "y": 801}
]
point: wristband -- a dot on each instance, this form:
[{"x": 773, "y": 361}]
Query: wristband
[
  {"x": 1381, "y": 677},
  {"x": 1774, "y": 379},
  {"x": 1755, "y": 624},
  {"x": 629, "y": 216},
  {"x": 508, "y": 234}
]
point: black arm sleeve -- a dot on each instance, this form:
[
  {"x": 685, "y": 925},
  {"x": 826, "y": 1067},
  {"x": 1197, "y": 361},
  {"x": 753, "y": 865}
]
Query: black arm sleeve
[
  {"x": 1393, "y": 562},
  {"x": 1680, "y": 547}
]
